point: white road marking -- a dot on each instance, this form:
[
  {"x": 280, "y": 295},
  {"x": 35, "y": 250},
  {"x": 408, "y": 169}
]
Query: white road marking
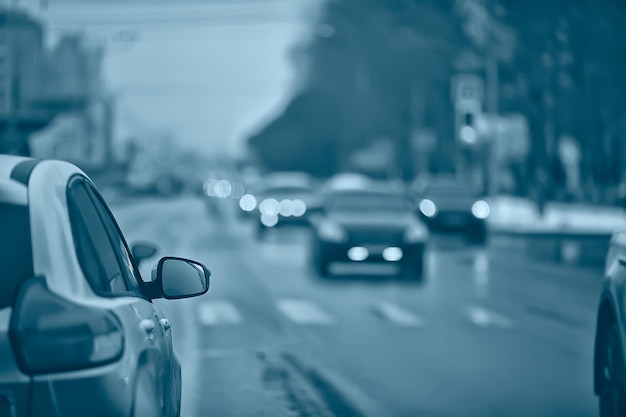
[
  {"x": 218, "y": 312},
  {"x": 485, "y": 318},
  {"x": 398, "y": 315},
  {"x": 301, "y": 311}
]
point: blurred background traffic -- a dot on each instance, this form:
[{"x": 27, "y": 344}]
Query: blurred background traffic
[{"x": 472, "y": 150}]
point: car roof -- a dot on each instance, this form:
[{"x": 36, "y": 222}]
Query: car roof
[
  {"x": 373, "y": 188},
  {"x": 286, "y": 179},
  {"x": 14, "y": 173}
]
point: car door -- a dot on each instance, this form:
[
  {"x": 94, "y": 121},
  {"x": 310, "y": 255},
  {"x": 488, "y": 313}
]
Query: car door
[
  {"x": 108, "y": 266},
  {"x": 134, "y": 277}
]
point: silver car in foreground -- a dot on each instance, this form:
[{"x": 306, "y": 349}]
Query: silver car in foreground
[{"x": 79, "y": 335}]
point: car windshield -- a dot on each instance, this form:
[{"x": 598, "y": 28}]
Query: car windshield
[
  {"x": 367, "y": 202},
  {"x": 451, "y": 191},
  {"x": 16, "y": 263}
]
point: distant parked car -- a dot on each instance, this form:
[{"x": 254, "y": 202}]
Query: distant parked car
[
  {"x": 370, "y": 224},
  {"x": 450, "y": 205},
  {"x": 610, "y": 341},
  {"x": 79, "y": 335}
]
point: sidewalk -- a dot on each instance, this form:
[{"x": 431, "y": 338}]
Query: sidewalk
[
  {"x": 519, "y": 215},
  {"x": 573, "y": 233}
]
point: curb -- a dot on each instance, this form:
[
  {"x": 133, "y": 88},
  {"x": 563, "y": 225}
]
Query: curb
[{"x": 581, "y": 248}]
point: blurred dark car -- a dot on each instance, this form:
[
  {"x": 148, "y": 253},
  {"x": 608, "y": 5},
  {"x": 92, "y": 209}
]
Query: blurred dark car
[
  {"x": 448, "y": 205},
  {"x": 79, "y": 334},
  {"x": 373, "y": 224},
  {"x": 610, "y": 341}
]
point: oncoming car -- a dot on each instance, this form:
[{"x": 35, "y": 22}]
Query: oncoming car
[
  {"x": 284, "y": 199},
  {"x": 450, "y": 206},
  {"x": 79, "y": 335},
  {"x": 369, "y": 225}
]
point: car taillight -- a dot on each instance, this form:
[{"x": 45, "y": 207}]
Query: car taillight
[{"x": 51, "y": 334}]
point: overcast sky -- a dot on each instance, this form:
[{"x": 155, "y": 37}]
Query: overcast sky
[{"x": 208, "y": 72}]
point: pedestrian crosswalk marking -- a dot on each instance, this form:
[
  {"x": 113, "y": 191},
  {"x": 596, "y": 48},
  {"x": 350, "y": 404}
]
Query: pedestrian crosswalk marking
[
  {"x": 398, "y": 315},
  {"x": 301, "y": 311},
  {"x": 218, "y": 312},
  {"x": 485, "y": 318}
]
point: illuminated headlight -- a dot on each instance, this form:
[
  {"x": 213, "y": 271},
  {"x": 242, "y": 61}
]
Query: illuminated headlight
[
  {"x": 285, "y": 208},
  {"x": 269, "y": 206},
  {"x": 481, "y": 209},
  {"x": 358, "y": 254},
  {"x": 416, "y": 233},
  {"x": 392, "y": 254},
  {"x": 428, "y": 208},
  {"x": 269, "y": 220},
  {"x": 331, "y": 232},
  {"x": 247, "y": 202},
  {"x": 299, "y": 208}
]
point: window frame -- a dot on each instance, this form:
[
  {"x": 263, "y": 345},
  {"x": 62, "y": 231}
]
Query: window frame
[{"x": 77, "y": 221}]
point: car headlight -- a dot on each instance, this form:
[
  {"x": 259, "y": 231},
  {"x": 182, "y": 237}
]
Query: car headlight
[
  {"x": 332, "y": 233},
  {"x": 481, "y": 209},
  {"x": 428, "y": 208},
  {"x": 269, "y": 206},
  {"x": 416, "y": 233},
  {"x": 247, "y": 202}
]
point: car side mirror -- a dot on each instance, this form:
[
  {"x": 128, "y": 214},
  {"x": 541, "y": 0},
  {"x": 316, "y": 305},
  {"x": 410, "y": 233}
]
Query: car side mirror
[
  {"x": 142, "y": 251},
  {"x": 177, "y": 278}
]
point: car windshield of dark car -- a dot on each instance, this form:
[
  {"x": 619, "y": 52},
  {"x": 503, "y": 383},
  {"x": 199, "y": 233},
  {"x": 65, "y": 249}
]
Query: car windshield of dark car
[
  {"x": 456, "y": 193},
  {"x": 368, "y": 203},
  {"x": 15, "y": 250}
]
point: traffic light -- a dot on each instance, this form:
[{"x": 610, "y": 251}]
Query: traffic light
[
  {"x": 467, "y": 129},
  {"x": 468, "y": 119}
]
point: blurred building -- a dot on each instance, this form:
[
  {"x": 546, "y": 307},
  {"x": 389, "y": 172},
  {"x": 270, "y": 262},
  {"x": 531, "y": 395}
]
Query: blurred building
[
  {"x": 21, "y": 55},
  {"x": 52, "y": 103},
  {"x": 71, "y": 87}
]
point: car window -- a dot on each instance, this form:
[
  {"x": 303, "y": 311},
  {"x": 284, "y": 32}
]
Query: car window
[
  {"x": 96, "y": 254},
  {"x": 119, "y": 243},
  {"x": 15, "y": 250}
]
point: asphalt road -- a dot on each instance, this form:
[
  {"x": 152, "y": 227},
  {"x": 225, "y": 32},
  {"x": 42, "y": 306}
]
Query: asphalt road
[{"x": 487, "y": 334}]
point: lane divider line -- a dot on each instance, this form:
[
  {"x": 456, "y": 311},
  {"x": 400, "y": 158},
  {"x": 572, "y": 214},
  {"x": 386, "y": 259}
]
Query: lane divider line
[
  {"x": 485, "y": 318},
  {"x": 305, "y": 312},
  {"x": 218, "y": 312},
  {"x": 397, "y": 315}
]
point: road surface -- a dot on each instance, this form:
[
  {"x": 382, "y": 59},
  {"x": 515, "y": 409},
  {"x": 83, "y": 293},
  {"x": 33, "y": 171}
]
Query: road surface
[{"x": 487, "y": 334}]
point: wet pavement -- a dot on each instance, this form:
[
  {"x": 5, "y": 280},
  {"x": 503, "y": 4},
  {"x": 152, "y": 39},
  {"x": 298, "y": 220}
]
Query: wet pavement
[{"x": 488, "y": 333}]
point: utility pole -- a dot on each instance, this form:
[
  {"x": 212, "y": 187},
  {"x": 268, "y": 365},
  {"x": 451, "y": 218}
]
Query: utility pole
[{"x": 491, "y": 73}]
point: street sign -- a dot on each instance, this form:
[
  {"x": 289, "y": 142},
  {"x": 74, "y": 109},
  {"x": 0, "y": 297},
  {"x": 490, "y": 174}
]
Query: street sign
[
  {"x": 468, "y": 88},
  {"x": 509, "y": 135}
]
